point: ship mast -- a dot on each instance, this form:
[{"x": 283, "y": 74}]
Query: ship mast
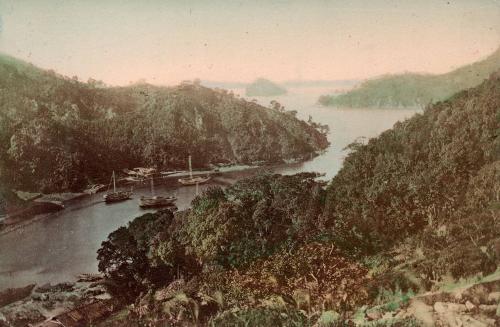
[{"x": 190, "y": 168}]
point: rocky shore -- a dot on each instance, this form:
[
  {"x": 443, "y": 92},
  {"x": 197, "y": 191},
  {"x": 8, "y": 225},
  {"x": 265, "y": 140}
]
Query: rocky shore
[{"x": 32, "y": 305}]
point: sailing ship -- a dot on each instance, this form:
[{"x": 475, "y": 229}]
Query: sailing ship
[
  {"x": 155, "y": 200},
  {"x": 191, "y": 180},
  {"x": 116, "y": 196}
]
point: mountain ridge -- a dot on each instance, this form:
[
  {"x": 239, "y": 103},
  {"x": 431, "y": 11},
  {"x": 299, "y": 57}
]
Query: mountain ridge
[
  {"x": 414, "y": 89},
  {"x": 87, "y": 129}
]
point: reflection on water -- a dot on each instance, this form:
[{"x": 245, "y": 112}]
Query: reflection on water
[
  {"x": 64, "y": 244},
  {"x": 346, "y": 125}
]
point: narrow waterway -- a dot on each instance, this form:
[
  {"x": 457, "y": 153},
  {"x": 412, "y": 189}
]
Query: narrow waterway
[{"x": 62, "y": 245}]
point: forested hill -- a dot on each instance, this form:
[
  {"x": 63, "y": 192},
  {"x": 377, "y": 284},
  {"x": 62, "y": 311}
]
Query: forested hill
[
  {"x": 413, "y": 210},
  {"x": 412, "y": 89},
  {"x": 57, "y": 133},
  {"x": 439, "y": 169}
]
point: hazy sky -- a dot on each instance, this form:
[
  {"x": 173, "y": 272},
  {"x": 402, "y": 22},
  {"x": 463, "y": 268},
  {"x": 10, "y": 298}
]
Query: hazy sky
[{"x": 169, "y": 41}]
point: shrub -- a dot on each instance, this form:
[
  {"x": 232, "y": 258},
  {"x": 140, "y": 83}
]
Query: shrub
[{"x": 259, "y": 317}]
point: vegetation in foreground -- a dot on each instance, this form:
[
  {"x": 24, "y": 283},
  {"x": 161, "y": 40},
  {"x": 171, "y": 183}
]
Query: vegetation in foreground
[
  {"x": 414, "y": 210},
  {"x": 412, "y": 89}
]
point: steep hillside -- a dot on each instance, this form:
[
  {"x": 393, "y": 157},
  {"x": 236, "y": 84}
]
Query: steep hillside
[
  {"x": 411, "y": 89},
  {"x": 434, "y": 178},
  {"x": 57, "y": 133},
  {"x": 413, "y": 210},
  {"x": 406, "y": 234},
  {"x": 264, "y": 87}
]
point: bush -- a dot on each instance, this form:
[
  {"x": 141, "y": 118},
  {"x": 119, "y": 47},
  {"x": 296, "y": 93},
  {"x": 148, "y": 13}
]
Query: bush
[
  {"x": 125, "y": 261},
  {"x": 259, "y": 317}
]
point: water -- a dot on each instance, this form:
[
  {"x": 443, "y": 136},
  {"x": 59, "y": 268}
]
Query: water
[
  {"x": 346, "y": 126},
  {"x": 62, "y": 245}
]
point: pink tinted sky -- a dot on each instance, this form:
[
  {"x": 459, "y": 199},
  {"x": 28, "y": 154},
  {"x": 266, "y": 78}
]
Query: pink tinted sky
[{"x": 165, "y": 41}]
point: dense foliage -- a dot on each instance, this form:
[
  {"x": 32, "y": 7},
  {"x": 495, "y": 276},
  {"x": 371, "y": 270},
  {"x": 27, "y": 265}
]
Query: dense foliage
[
  {"x": 417, "y": 203},
  {"x": 126, "y": 259},
  {"x": 57, "y": 133},
  {"x": 418, "y": 174},
  {"x": 228, "y": 228},
  {"x": 412, "y": 89},
  {"x": 264, "y": 87}
]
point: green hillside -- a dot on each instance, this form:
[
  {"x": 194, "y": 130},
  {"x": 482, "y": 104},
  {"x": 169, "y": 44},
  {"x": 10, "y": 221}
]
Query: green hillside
[
  {"x": 411, "y": 89},
  {"x": 57, "y": 133},
  {"x": 409, "y": 210}
]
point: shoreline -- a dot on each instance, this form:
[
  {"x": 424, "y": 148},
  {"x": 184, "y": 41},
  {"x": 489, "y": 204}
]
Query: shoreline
[
  {"x": 68, "y": 197},
  {"x": 22, "y": 217}
]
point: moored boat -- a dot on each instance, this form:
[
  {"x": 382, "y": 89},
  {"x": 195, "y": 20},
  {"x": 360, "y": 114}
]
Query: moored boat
[
  {"x": 193, "y": 180},
  {"x": 171, "y": 172},
  {"x": 144, "y": 172},
  {"x": 132, "y": 179},
  {"x": 155, "y": 200},
  {"x": 116, "y": 196},
  {"x": 95, "y": 189}
]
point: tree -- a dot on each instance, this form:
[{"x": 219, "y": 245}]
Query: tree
[
  {"x": 277, "y": 106},
  {"x": 124, "y": 264}
]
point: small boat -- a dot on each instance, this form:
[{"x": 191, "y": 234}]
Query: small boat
[
  {"x": 155, "y": 200},
  {"x": 141, "y": 171},
  {"x": 170, "y": 172},
  {"x": 132, "y": 179},
  {"x": 95, "y": 189},
  {"x": 193, "y": 180},
  {"x": 116, "y": 196}
]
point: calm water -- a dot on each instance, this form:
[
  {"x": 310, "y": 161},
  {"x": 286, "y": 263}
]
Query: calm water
[
  {"x": 60, "y": 246},
  {"x": 346, "y": 125}
]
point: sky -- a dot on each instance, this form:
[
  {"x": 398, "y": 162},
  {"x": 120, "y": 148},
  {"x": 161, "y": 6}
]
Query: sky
[{"x": 165, "y": 41}]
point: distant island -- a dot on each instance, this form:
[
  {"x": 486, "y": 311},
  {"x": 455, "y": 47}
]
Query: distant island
[
  {"x": 60, "y": 134},
  {"x": 414, "y": 89},
  {"x": 264, "y": 87}
]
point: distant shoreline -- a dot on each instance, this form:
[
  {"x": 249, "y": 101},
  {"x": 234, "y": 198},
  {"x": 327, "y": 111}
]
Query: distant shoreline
[{"x": 69, "y": 197}]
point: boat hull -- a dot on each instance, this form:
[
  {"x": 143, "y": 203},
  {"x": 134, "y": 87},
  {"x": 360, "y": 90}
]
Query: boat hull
[
  {"x": 152, "y": 202},
  {"x": 117, "y": 197},
  {"x": 194, "y": 180}
]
